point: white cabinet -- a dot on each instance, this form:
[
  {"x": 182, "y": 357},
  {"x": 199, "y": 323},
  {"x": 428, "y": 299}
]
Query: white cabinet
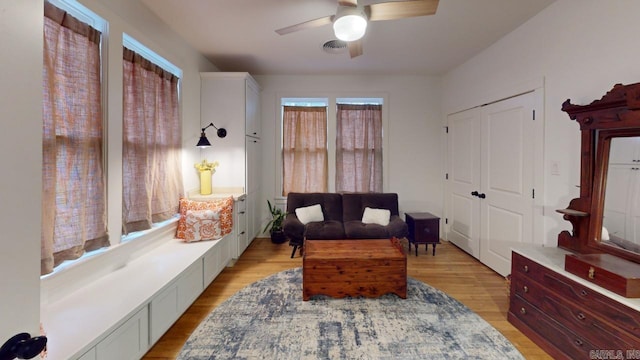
[
  {"x": 252, "y": 109},
  {"x": 217, "y": 258},
  {"x": 254, "y": 201},
  {"x": 129, "y": 341},
  {"x": 167, "y": 306},
  {"x": 232, "y": 101},
  {"x": 240, "y": 226}
]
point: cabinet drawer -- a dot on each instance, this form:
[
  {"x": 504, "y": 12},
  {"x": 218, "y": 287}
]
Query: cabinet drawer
[
  {"x": 522, "y": 266},
  {"x": 579, "y": 319},
  {"x": 617, "y": 314},
  {"x": 574, "y": 346},
  {"x": 241, "y": 205}
]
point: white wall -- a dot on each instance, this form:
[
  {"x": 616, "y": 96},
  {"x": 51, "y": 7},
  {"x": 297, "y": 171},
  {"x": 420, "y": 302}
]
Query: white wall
[
  {"x": 21, "y": 23},
  {"x": 21, "y": 163},
  {"x": 414, "y": 130},
  {"x": 581, "y": 48}
]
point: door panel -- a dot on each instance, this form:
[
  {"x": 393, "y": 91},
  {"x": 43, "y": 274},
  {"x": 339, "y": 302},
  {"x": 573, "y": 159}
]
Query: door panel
[
  {"x": 506, "y": 213},
  {"x": 491, "y": 151},
  {"x": 464, "y": 175}
]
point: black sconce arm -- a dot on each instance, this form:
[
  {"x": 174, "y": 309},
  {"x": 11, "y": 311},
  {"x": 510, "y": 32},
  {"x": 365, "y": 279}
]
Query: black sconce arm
[
  {"x": 204, "y": 142},
  {"x": 221, "y": 131}
]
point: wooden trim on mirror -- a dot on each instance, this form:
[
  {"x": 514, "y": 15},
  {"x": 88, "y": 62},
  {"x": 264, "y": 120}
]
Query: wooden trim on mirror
[{"x": 616, "y": 114}]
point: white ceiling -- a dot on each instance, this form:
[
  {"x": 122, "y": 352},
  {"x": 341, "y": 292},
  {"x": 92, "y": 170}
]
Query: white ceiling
[{"x": 239, "y": 35}]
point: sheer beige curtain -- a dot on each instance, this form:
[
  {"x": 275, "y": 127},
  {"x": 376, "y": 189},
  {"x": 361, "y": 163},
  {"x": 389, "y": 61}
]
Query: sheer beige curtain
[
  {"x": 304, "y": 149},
  {"x": 359, "y": 148},
  {"x": 73, "y": 191},
  {"x": 152, "y": 142}
]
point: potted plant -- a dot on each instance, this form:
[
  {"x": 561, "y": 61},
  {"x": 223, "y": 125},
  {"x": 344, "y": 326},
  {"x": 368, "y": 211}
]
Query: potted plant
[{"x": 275, "y": 224}]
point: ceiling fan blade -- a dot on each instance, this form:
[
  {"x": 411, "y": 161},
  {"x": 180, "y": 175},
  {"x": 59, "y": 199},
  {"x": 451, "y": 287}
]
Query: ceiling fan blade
[
  {"x": 353, "y": 3},
  {"x": 355, "y": 48},
  {"x": 306, "y": 25},
  {"x": 401, "y": 9}
]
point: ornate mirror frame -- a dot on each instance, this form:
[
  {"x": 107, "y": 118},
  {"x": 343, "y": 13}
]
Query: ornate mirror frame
[{"x": 617, "y": 113}]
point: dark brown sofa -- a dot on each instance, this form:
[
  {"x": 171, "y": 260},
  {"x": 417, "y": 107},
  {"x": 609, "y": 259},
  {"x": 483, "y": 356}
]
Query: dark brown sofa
[{"x": 342, "y": 217}]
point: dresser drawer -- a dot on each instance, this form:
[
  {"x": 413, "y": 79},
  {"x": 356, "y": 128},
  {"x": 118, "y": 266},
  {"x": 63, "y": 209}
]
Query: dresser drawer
[
  {"x": 617, "y": 314},
  {"x": 522, "y": 266},
  {"x": 565, "y": 341}
]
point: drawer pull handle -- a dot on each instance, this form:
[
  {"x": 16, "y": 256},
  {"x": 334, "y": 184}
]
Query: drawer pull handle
[
  {"x": 583, "y": 293},
  {"x": 525, "y": 268},
  {"x": 241, "y": 212},
  {"x": 242, "y": 233},
  {"x": 525, "y": 288},
  {"x": 523, "y": 311},
  {"x": 578, "y": 342},
  {"x": 581, "y": 316},
  {"x": 592, "y": 273}
]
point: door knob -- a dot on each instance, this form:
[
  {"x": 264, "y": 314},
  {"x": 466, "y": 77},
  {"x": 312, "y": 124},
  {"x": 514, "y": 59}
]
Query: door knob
[
  {"x": 482, "y": 196},
  {"x": 474, "y": 193}
]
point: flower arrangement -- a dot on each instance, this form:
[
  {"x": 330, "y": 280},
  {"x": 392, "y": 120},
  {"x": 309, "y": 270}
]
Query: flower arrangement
[{"x": 207, "y": 166}]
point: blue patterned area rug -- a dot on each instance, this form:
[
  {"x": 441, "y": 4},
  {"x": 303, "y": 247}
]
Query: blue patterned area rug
[{"x": 269, "y": 320}]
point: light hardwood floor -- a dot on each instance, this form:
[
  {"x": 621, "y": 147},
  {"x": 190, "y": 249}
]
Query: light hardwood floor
[{"x": 451, "y": 270}]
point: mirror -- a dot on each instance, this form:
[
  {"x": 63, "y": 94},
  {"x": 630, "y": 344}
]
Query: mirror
[
  {"x": 621, "y": 210},
  {"x": 606, "y": 216}
]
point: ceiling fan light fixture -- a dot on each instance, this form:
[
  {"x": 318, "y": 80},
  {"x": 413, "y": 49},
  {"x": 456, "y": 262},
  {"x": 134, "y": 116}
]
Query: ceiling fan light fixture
[{"x": 350, "y": 24}]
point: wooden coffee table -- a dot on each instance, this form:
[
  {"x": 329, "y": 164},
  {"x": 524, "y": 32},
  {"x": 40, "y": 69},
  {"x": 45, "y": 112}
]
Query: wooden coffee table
[{"x": 340, "y": 268}]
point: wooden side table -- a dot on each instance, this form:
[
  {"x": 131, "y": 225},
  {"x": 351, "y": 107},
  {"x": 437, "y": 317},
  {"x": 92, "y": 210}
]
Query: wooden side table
[{"x": 424, "y": 228}]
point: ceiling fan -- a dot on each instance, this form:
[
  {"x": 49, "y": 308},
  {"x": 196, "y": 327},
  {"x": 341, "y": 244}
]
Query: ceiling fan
[{"x": 350, "y": 20}]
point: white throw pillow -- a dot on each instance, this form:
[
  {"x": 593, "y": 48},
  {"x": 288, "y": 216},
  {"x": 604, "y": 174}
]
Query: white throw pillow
[
  {"x": 376, "y": 216},
  {"x": 309, "y": 214},
  {"x": 202, "y": 225}
]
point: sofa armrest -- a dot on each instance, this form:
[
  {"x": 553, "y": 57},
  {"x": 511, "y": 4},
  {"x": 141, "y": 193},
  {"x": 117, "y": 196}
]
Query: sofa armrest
[
  {"x": 398, "y": 227},
  {"x": 293, "y": 227}
]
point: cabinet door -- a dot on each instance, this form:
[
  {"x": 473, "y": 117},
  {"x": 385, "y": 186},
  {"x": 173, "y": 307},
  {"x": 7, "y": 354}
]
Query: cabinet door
[
  {"x": 167, "y": 306},
  {"x": 252, "y": 108},
  {"x": 240, "y": 226},
  {"x": 129, "y": 341},
  {"x": 254, "y": 202}
]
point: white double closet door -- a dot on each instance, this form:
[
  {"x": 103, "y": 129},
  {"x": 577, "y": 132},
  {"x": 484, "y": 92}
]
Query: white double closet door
[{"x": 494, "y": 152}]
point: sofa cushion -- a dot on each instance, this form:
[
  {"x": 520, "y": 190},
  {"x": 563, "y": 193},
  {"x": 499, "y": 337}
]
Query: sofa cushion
[
  {"x": 353, "y": 204},
  {"x": 309, "y": 214},
  {"x": 329, "y": 230},
  {"x": 376, "y": 216},
  {"x": 356, "y": 229},
  {"x": 331, "y": 203}
]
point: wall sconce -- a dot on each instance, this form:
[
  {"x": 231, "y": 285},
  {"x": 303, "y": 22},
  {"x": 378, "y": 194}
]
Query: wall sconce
[
  {"x": 22, "y": 346},
  {"x": 204, "y": 142}
]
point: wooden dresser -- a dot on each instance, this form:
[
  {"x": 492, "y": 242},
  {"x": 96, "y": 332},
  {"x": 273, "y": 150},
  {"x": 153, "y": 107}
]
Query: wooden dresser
[{"x": 567, "y": 316}]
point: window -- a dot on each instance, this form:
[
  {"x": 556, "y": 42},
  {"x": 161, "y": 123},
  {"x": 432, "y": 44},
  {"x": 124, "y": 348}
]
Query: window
[
  {"x": 354, "y": 151},
  {"x": 152, "y": 142},
  {"x": 74, "y": 194},
  {"x": 304, "y": 146},
  {"x": 358, "y": 147}
]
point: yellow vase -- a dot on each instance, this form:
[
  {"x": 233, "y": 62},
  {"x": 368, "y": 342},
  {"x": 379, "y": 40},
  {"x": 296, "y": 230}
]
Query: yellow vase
[{"x": 205, "y": 182}]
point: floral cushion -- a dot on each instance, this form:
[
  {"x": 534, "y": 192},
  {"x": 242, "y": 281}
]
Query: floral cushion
[
  {"x": 202, "y": 225},
  {"x": 224, "y": 207}
]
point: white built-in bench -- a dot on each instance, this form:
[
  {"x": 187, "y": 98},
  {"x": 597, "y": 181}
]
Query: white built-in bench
[{"x": 122, "y": 311}]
